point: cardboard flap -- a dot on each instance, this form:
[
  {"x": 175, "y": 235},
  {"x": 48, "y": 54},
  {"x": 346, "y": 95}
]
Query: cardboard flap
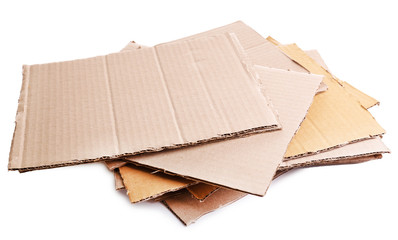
[
  {"x": 247, "y": 164},
  {"x": 202, "y": 190},
  {"x": 167, "y": 96}
]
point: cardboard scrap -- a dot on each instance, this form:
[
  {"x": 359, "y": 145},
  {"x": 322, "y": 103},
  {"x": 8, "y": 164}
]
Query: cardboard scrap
[
  {"x": 246, "y": 164},
  {"x": 189, "y": 209},
  {"x": 202, "y": 190},
  {"x": 178, "y": 94},
  {"x": 144, "y": 184},
  {"x": 351, "y": 121}
]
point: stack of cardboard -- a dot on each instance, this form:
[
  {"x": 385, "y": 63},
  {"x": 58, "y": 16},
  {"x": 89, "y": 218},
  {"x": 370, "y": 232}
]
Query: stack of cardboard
[{"x": 196, "y": 123}]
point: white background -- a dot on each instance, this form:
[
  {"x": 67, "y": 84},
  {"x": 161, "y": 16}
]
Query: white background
[{"x": 358, "y": 41}]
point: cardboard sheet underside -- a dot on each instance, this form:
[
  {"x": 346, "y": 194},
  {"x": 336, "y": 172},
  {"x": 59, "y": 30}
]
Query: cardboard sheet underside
[
  {"x": 167, "y": 96},
  {"x": 246, "y": 164},
  {"x": 189, "y": 209}
]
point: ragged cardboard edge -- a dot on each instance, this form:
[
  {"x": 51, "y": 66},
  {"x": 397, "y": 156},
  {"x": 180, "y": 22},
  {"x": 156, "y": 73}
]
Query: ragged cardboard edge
[
  {"x": 15, "y": 154},
  {"x": 188, "y": 209},
  {"x": 140, "y": 184},
  {"x": 365, "y": 100},
  {"x": 300, "y": 57}
]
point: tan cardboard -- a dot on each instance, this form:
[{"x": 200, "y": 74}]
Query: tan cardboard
[
  {"x": 353, "y": 150},
  {"x": 365, "y": 100},
  {"x": 177, "y": 94},
  {"x": 189, "y": 209},
  {"x": 202, "y": 190},
  {"x": 144, "y": 184},
  {"x": 263, "y": 52},
  {"x": 119, "y": 185},
  {"x": 350, "y": 119},
  {"x": 246, "y": 164}
]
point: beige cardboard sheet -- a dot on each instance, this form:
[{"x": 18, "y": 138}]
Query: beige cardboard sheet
[
  {"x": 167, "y": 96},
  {"x": 189, "y": 209},
  {"x": 246, "y": 164}
]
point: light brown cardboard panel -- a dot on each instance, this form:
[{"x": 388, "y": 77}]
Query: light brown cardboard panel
[
  {"x": 365, "y": 100},
  {"x": 176, "y": 94},
  {"x": 189, "y": 209},
  {"x": 202, "y": 190},
  {"x": 247, "y": 164},
  {"x": 144, "y": 184},
  {"x": 335, "y": 117}
]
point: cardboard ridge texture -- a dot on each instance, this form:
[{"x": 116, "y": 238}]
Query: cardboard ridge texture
[{"x": 168, "y": 96}]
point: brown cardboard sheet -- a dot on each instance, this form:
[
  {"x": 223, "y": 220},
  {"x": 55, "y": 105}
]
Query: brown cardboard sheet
[
  {"x": 365, "y": 100},
  {"x": 363, "y": 148},
  {"x": 144, "y": 184},
  {"x": 351, "y": 120},
  {"x": 177, "y": 94},
  {"x": 330, "y": 123},
  {"x": 189, "y": 209},
  {"x": 246, "y": 164}
]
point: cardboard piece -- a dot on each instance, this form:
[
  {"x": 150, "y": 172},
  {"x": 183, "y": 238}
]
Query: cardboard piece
[
  {"x": 144, "y": 184},
  {"x": 351, "y": 120},
  {"x": 372, "y": 146},
  {"x": 119, "y": 185},
  {"x": 189, "y": 209},
  {"x": 359, "y": 149},
  {"x": 365, "y": 100},
  {"x": 177, "y": 94},
  {"x": 246, "y": 164},
  {"x": 202, "y": 190}
]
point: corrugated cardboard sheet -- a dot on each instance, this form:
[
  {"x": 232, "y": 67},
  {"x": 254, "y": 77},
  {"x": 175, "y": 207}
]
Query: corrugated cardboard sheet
[
  {"x": 168, "y": 96},
  {"x": 330, "y": 123},
  {"x": 246, "y": 164},
  {"x": 341, "y": 155}
]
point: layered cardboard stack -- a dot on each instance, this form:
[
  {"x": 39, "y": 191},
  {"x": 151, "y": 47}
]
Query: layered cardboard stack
[{"x": 196, "y": 123}]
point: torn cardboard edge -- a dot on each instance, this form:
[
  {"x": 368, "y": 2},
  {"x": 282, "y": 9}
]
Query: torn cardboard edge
[
  {"x": 246, "y": 112},
  {"x": 188, "y": 209}
]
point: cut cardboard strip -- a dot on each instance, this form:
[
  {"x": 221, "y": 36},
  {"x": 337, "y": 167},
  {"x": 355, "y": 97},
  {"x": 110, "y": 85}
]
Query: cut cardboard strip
[
  {"x": 144, "y": 184},
  {"x": 177, "y": 94},
  {"x": 246, "y": 164},
  {"x": 189, "y": 209}
]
